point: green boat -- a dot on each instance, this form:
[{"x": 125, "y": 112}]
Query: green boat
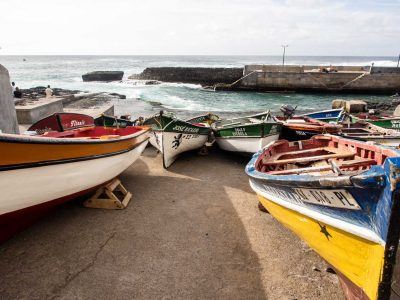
[
  {"x": 172, "y": 136},
  {"x": 110, "y": 121},
  {"x": 246, "y": 134},
  {"x": 385, "y": 122}
]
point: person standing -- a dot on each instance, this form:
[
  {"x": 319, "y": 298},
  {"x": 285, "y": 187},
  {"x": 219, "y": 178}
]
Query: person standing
[
  {"x": 17, "y": 93},
  {"x": 49, "y": 92},
  {"x": 13, "y": 87}
]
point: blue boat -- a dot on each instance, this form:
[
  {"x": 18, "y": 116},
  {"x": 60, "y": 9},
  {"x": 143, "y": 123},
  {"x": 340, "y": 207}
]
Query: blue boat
[
  {"x": 329, "y": 115},
  {"x": 341, "y": 197}
]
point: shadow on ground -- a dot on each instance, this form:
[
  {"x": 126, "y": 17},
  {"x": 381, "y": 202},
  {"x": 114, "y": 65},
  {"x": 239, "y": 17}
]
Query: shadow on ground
[{"x": 193, "y": 231}]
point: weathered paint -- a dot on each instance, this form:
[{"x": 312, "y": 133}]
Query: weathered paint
[{"x": 353, "y": 241}]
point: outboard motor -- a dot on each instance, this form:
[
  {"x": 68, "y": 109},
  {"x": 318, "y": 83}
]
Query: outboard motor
[{"x": 288, "y": 110}]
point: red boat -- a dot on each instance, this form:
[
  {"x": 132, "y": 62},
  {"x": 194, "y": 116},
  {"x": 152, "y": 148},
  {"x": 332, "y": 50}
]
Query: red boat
[
  {"x": 40, "y": 171},
  {"x": 302, "y": 127}
]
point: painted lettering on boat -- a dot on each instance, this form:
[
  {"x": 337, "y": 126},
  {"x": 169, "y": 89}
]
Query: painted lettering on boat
[
  {"x": 395, "y": 123},
  {"x": 77, "y": 123},
  {"x": 332, "y": 198},
  {"x": 239, "y": 131},
  {"x": 298, "y": 132},
  {"x": 185, "y": 129},
  {"x": 180, "y": 137}
]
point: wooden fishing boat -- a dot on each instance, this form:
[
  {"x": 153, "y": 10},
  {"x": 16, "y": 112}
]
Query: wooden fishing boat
[
  {"x": 368, "y": 132},
  {"x": 39, "y": 172},
  {"x": 246, "y": 134},
  {"x": 61, "y": 122},
  {"x": 389, "y": 122},
  {"x": 110, "y": 121},
  {"x": 172, "y": 136},
  {"x": 342, "y": 197},
  {"x": 329, "y": 115},
  {"x": 208, "y": 118},
  {"x": 302, "y": 128}
]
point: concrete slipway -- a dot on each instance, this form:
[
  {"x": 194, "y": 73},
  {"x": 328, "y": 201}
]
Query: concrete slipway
[{"x": 193, "y": 232}]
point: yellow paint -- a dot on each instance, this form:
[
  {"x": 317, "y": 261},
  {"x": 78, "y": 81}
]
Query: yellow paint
[{"x": 360, "y": 260}]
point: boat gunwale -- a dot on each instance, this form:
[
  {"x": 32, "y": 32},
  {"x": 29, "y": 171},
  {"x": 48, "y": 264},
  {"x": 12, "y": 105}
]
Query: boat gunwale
[
  {"x": 318, "y": 181},
  {"x": 68, "y": 160},
  {"x": 28, "y": 139}
]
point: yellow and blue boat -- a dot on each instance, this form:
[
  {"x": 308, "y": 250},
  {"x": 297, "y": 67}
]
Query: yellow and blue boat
[{"x": 342, "y": 197}]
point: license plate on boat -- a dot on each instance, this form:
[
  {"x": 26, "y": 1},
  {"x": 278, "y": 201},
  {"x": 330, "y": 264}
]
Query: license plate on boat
[{"x": 332, "y": 198}]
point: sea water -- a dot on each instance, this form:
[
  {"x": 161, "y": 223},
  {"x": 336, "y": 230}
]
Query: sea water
[{"x": 184, "y": 99}]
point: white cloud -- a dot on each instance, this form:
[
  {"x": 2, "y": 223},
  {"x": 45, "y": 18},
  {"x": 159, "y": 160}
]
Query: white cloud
[{"x": 311, "y": 27}]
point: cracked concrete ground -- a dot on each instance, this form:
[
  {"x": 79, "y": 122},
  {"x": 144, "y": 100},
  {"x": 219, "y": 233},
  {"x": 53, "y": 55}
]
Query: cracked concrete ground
[{"x": 192, "y": 232}]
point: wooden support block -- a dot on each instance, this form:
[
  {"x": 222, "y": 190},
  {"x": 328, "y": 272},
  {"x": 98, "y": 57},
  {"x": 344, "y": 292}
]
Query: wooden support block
[{"x": 107, "y": 198}]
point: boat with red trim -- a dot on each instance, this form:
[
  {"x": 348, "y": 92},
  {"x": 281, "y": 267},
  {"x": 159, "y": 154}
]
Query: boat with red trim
[
  {"x": 342, "y": 197},
  {"x": 40, "y": 171}
]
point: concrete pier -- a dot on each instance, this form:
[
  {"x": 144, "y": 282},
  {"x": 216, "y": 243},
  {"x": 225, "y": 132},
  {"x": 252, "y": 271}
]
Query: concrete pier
[
  {"x": 8, "y": 116},
  {"x": 328, "y": 79},
  {"x": 297, "y": 78}
]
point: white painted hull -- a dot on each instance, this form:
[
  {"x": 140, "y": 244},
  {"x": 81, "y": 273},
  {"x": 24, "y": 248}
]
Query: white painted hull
[
  {"x": 245, "y": 144},
  {"x": 171, "y": 144},
  {"x": 22, "y": 188}
]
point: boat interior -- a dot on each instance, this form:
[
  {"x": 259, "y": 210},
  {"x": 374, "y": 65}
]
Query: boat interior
[
  {"x": 94, "y": 132},
  {"x": 321, "y": 155},
  {"x": 238, "y": 121},
  {"x": 365, "y": 129}
]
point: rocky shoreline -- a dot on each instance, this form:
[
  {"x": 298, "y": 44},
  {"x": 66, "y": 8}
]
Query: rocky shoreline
[{"x": 39, "y": 92}]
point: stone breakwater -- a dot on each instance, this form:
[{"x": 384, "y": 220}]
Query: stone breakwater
[
  {"x": 203, "y": 76},
  {"x": 326, "y": 79}
]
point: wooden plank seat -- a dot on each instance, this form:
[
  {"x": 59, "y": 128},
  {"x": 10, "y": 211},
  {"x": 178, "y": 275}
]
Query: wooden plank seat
[
  {"x": 328, "y": 154},
  {"x": 346, "y": 164}
]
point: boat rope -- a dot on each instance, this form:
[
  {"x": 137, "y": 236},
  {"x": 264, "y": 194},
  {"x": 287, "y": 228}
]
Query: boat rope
[{"x": 353, "y": 80}]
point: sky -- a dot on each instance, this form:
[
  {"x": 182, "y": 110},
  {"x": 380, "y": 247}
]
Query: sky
[{"x": 200, "y": 27}]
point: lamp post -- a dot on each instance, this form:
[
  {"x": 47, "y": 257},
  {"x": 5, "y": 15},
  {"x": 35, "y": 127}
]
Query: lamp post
[
  {"x": 398, "y": 61},
  {"x": 284, "y": 52}
]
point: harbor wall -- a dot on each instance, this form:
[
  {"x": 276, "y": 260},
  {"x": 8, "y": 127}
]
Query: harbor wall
[
  {"x": 298, "y": 78},
  {"x": 204, "y": 76},
  {"x": 346, "y": 79},
  {"x": 8, "y": 117}
]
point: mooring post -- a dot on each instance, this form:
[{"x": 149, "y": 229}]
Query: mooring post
[
  {"x": 8, "y": 116},
  {"x": 284, "y": 52}
]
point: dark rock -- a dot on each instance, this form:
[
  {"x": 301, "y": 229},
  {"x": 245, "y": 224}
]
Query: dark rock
[
  {"x": 103, "y": 76},
  {"x": 204, "y": 76},
  {"x": 151, "y": 82},
  {"x": 330, "y": 270},
  {"x": 118, "y": 95},
  {"x": 38, "y": 92}
]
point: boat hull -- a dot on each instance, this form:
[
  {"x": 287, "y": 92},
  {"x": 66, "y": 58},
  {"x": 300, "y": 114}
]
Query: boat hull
[
  {"x": 55, "y": 184},
  {"x": 245, "y": 144},
  {"x": 291, "y": 134},
  {"x": 171, "y": 144},
  {"x": 363, "y": 270},
  {"x": 350, "y": 219}
]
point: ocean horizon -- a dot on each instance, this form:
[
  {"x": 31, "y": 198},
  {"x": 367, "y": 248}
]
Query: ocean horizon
[{"x": 65, "y": 71}]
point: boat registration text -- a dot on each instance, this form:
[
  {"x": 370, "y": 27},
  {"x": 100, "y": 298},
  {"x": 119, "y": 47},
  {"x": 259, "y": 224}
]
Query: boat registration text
[{"x": 338, "y": 198}]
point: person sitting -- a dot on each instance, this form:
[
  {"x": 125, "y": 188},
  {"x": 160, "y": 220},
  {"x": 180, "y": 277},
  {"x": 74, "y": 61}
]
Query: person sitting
[
  {"x": 49, "y": 92},
  {"x": 13, "y": 86},
  {"x": 17, "y": 93}
]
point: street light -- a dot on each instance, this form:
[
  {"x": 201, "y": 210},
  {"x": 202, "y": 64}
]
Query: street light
[
  {"x": 284, "y": 52},
  {"x": 398, "y": 61}
]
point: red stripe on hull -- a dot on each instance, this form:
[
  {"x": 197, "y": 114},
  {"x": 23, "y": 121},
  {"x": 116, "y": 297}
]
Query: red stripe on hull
[{"x": 13, "y": 222}]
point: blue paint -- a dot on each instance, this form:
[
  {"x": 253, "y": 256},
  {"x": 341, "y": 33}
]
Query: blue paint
[
  {"x": 326, "y": 114},
  {"x": 371, "y": 189}
]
